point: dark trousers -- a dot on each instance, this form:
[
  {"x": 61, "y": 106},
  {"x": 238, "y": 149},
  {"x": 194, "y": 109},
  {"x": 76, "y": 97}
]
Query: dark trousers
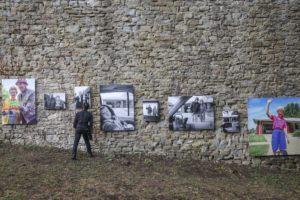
[{"x": 84, "y": 134}]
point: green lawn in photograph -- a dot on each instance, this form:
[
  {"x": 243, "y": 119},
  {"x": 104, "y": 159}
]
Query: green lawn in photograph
[
  {"x": 296, "y": 134},
  {"x": 0, "y": 115},
  {"x": 257, "y": 138},
  {"x": 259, "y": 150}
]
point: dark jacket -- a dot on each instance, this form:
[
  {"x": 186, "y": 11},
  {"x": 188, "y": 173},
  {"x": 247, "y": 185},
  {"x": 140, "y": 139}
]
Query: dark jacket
[
  {"x": 195, "y": 107},
  {"x": 83, "y": 120}
]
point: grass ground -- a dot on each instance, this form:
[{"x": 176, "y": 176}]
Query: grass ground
[
  {"x": 48, "y": 173},
  {"x": 296, "y": 134},
  {"x": 259, "y": 150},
  {"x": 257, "y": 138}
]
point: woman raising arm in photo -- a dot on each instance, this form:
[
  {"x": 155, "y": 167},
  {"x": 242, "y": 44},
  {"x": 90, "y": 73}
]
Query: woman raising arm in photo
[{"x": 279, "y": 134}]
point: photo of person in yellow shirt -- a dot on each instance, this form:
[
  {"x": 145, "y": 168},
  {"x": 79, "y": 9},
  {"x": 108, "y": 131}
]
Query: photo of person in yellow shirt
[{"x": 11, "y": 108}]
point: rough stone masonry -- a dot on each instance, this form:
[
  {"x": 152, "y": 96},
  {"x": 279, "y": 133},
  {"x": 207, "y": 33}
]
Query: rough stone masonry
[{"x": 230, "y": 50}]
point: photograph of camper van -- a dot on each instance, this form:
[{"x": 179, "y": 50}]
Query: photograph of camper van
[
  {"x": 191, "y": 113},
  {"x": 117, "y": 107},
  {"x": 274, "y": 126},
  {"x": 231, "y": 122}
]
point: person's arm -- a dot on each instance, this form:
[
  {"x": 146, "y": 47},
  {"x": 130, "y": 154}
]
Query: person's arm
[
  {"x": 75, "y": 120},
  {"x": 268, "y": 109},
  {"x": 90, "y": 134},
  {"x": 110, "y": 126},
  {"x": 286, "y": 133},
  {"x": 30, "y": 104},
  {"x": 91, "y": 121}
]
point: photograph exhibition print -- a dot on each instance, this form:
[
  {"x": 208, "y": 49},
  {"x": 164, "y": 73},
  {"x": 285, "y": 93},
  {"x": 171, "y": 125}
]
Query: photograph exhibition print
[
  {"x": 55, "y": 101},
  {"x": 230, "y": 121},
  {"x": 82, "y": 95},
  {"x": 117, "y": 107},
  {"x": 151, "y": 110},
  {"x": 18, "y": 96},
  {"x": 191, "y": 113},
  {"x": 274, "y": 126}
]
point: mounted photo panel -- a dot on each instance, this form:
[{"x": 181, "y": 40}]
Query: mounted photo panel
[
  {"x": 82, "y": 95},
  {"x": 151, "y": 110},
  {"x": 18, "y": 97},
  {"x": 274, "y": 126},
  {"x": 117, "y": 107},
  {"x": 191, "y": 113},
  {"x": 55, "y": 101},
  {"x": 230, "y": 121}
]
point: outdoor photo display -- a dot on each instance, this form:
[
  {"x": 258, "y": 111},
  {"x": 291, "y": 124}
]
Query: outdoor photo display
[
  {"x": 117, "y": 107},
  {"x": 230, "y": 121},
  {"x": 191, "y": 113},
  {"x": 0, "y": 111},
  {"x": 82, "y": 95},
  {"x": 151, "y": 110},
  {"x": 274, "y": 126},
  {"x": 18, "y": 101},
  {"x": 55, "y": 101}
]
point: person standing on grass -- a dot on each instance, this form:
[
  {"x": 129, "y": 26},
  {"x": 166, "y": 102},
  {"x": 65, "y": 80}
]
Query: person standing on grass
[
  {"x": 83, "y": 124},
  {"x": 279, "y": 134}
]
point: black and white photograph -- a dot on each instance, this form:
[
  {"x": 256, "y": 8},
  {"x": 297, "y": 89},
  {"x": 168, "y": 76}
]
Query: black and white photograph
[
  {"x": 230, "y": 121},
  {"x": 151, "y": 110},
  {"x": 117, "y": 107},
  {"x": 82, "y": 95},
  {"x": 55, "y": 101},
  {"x": 191, "y": 113}
]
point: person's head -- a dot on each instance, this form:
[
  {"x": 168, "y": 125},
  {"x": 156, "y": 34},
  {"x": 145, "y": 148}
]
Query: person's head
[
  {"x": 57, "y": 98},
  {"x": 201, "y": 101},
  {"x": 22, "y": 84},
  {"x": 86, "y": 106},
  {"x": 197, "y": 99},
  {"x": 280, "y": 111},
  {"x": 106, "y": 113},
  {"x": 13, "y": 91}
]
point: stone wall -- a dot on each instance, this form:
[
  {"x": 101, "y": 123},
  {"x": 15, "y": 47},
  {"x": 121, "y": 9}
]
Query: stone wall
[{"x": 228, "y": 49}]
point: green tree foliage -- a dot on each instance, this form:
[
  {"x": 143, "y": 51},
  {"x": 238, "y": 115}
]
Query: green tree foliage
[
  {"x": 292, "y": 110},
  {"x": 5, "y": 94},
  {"x": 252, "y": 130}
]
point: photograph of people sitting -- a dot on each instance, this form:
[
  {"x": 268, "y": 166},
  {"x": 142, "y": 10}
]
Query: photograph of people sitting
[{"x": 55, "y": 101}]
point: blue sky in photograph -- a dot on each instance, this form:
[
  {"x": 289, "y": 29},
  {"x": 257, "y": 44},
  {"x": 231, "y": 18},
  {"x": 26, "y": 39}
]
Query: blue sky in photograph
[
  {"x": 257, "y": 107},
  {"x": 7, "y": 83}
]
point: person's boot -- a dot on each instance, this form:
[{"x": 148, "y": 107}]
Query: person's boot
[
  {"x": 74, "y": 157},
  {"x": 91, "y": 155},
  {"x": 284, "y": 153}
]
